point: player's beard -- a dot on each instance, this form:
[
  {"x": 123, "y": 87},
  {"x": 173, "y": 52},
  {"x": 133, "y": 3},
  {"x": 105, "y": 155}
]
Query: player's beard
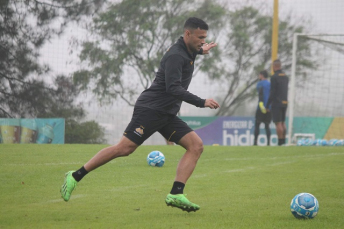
[{"x": 195, "y": 48}]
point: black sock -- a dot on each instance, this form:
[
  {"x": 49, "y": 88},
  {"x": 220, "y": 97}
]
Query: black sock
[
  {"x": 178, "y": 188},
  {"x": 268, "y": 133},
  {"x": 281, "y": 141},
  {"x": 79, "y": 174}
]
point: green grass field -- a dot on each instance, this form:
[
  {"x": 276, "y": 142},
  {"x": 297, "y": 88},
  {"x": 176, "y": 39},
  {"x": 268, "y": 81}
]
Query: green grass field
[{"x": 236, "y": 187}]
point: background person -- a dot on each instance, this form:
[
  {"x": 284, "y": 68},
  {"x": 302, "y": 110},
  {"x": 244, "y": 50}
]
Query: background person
[
  {"x": 263, "y": 114},
  {"x": 278, "y": 100}
]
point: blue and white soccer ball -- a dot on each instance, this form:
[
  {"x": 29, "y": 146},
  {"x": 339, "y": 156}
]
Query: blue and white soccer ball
[
  {"x": 340, "y": 142},
  {"x": 304, "y": 206},
  {"x": 320, "y": 142},
  {"x": 300, "y": 142},
  {"x": 332, "y": 142},
  {"x": 156, "y": 159},
  {"x": 336, "y": 142},
  {"x": 305, "y": 142}
]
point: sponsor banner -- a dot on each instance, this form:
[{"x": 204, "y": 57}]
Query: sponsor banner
[
  {"x": 229, "y": 131},
  {"x": 28, "y": 131},
  {"x": 239, "y": 131}
]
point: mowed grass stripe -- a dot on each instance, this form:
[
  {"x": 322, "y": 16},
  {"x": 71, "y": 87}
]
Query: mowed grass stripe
[{"x": 236, "y": 187}]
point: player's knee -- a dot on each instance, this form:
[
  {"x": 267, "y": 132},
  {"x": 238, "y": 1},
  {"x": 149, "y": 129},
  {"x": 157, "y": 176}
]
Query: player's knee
[
  {"x": 122, "y": 151},
  {"x": 198, "y": 147},
  {"x": 127, "y": 151}
]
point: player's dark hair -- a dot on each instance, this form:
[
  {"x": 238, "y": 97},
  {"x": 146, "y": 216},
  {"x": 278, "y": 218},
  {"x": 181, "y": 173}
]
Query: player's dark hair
[
  {"x": 277, "y": 62},
  {"x": 195, "y": 23},
  {"x": 264, "y": 73}
]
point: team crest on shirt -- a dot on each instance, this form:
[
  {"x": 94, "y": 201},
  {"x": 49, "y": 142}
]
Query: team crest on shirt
[
  {"x": 139, "y": 131},
  {"x": 191, "y": 62}
]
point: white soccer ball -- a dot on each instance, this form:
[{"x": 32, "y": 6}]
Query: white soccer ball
[
  {"x": 304, "y": 206},
  {"x": 156, "y": 159}
]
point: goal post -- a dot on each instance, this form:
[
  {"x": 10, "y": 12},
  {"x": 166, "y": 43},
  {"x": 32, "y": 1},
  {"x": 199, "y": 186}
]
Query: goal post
[{"x": 316, "y": 108}]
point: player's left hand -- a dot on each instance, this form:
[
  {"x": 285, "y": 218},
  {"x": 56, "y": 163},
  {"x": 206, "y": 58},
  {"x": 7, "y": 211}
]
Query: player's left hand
[
  {"x": 212, "y": 104},
  {"x": 207, "y": 46},
  {"x": 262, "y": 108}
]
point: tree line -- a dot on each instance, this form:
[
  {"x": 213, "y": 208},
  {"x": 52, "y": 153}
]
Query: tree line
[{"x": 125, "y": 37}]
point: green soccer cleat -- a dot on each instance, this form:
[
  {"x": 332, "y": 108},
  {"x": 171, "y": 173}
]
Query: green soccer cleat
[
  {"x": 180, "y": 201},
  {"x": 68, "y": 186}
]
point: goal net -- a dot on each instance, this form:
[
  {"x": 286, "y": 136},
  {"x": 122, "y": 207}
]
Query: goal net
[{"x": 316, "y": 96}]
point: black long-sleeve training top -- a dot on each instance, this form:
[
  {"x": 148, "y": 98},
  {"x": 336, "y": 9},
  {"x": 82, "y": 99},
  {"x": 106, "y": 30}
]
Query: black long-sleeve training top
[
  {"x": 172, "y": 80},
  {"x": 279, "y": 90}
]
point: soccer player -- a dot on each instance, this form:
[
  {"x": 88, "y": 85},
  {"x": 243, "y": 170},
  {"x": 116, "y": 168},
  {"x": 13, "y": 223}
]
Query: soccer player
[
  {"x": 156, "y": 110},
  {"x": 278, "y": 100},
  {"x": 263, "y": 115}
]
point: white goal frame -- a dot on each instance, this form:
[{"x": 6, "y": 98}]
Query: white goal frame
[{"x": 292, "y": 82}]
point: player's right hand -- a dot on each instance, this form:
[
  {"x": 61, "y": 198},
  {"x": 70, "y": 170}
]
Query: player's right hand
[
  {"x": 212, "y": 104},
  {"x": 206, "y": 47},
  {"x": 262, "y": 108}
]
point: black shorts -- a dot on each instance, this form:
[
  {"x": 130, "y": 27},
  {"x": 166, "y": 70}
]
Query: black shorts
[
  {"x": 263, "y": 118},
  {"x": 146, "y": 122},
  {"x": 278, "y": 114}
]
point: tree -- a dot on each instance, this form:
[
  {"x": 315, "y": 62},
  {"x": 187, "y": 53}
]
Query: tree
[
  {"x": 27, "y": 87},
  {"x": 122, "y": 52},
  {"x": 247, "y": 51},
  {"x": 85, "y": 132},
  {"x": 60, "y": 103},
  {"x": 24, "y": 28}
]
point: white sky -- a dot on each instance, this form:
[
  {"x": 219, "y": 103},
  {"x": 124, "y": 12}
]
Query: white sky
[{"x": 327, "y": 17}]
